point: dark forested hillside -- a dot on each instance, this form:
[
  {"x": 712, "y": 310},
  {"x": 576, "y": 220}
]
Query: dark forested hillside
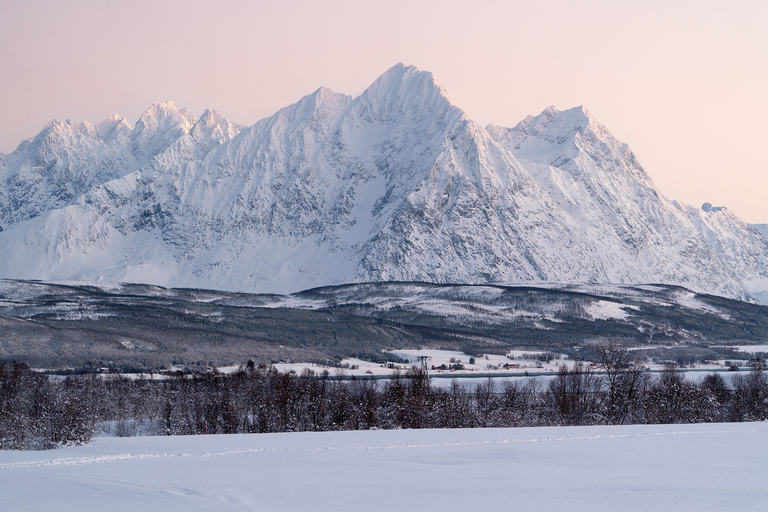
[{"x": 140, "y": 327}]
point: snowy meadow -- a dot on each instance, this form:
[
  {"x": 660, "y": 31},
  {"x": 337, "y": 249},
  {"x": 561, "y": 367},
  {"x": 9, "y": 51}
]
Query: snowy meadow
[
  {"x": 637, "y": 467},
  {"x": 620, "y": 440}
]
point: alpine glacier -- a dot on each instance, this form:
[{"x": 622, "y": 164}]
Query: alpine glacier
[{"x": 398, "y": 184}]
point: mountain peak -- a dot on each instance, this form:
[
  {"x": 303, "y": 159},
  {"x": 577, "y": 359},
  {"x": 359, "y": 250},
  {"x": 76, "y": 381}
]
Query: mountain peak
[
  {"x": 405, "y": 77},
  {"x": 162, "y": 106},
  {"x": 579, "y": 113},
  {"x": 327, "y": 97},
  {"x": 558, "y": 125},
  {"x": 165, "y": 111},
  {"x": 188, "y": 115},
  {"x": 322, "y": 103},
  {"x": 400, "y": 74},
  {"x": 707, "y": 207},
  {"x": 163, "y": 121},
  {"x": 405, "y": 93},
  {"x": 210, "y": 118},
  {"x": 550, "y": 111},
  {"x": 56, "y": 129},
  {"x": 213, "y": 124},
  {"x": 324, "y": 93},
  {"x": 111, "y": 127}
]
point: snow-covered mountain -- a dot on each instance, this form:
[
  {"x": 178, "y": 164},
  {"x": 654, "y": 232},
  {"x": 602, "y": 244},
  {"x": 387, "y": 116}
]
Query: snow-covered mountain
[
  {"x": 396, "y": 184},
  {"x": 599, "y": 181},
  {"x": 762, "y": 228}
]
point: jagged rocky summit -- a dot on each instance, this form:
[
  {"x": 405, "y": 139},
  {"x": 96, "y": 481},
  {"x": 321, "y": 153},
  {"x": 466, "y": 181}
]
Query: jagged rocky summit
[{"x": 398, "y": 184}]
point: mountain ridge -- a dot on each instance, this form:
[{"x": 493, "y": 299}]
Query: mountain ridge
[{"x": 395, "y": 184}]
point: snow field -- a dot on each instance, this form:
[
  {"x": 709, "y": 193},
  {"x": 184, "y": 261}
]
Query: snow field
[
  {"x": 605, "y": 310},
  {"x": 484, "y": 365},
  {"x": 751, "y": 349},
  {"x": 641, "y": 467},
  {"x": 435, "y": 357}
]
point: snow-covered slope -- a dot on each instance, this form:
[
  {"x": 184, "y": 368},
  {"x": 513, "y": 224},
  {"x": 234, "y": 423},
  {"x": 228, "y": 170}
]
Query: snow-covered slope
[
  {"x": 396, "y": 184},
  {"x": 599, "y": 181},
  {"x": 762, "y": 228},
  {"x": 66, "y": 160}
]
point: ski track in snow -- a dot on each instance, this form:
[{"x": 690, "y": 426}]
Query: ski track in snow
[{"x": 82, "y": 461}]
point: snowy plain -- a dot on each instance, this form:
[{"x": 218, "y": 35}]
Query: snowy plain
[
  {"x": 641, "y": 467},
  {"x": 492, "y": 365}
]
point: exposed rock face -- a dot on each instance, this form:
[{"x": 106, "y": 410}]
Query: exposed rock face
[{"x": 396, "y": 184}]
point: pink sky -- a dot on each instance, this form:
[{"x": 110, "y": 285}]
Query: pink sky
[{"x": 683, "y": 83}]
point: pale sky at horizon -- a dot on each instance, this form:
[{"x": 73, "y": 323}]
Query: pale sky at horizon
[{"x": 683, "y": 83}]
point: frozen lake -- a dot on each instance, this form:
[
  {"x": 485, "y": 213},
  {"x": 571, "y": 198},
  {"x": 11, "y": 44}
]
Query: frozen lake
[{"x": 543, "y": 381}]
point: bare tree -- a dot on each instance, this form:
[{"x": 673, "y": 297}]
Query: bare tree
[
  {"x": 624, "y": 381},
  {"x": 750, "y": 395},
  {"x": 574, "y": 395},
  {"x": 487, "y": 403}
]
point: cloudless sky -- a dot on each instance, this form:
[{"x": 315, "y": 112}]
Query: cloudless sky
[{"x": 683, "y": 83}]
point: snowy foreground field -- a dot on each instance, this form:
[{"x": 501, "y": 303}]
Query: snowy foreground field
[{"x": 642, "y": 467}]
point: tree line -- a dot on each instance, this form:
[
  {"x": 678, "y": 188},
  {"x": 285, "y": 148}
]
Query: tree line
[{"x": 38, "y": 412}]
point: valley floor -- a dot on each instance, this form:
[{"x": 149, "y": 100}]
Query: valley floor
[{"x": 641, "y": 467}]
